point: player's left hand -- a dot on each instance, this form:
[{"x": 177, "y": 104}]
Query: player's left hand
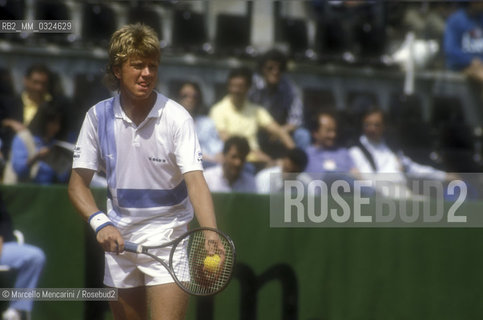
[{"x": 110, "y": 239}]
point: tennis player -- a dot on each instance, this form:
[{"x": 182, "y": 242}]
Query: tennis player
[{"x": 147, "y": 146}]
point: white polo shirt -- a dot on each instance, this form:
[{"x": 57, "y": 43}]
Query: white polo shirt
[{"x": 144, "y": 164}]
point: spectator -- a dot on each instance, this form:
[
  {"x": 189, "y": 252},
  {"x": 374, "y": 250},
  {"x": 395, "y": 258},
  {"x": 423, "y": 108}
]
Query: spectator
[
  {"x": 26, "y": 259},
  {"x": 190, "y": 97},
  {"x": 36, "y": 93},
  {"x": 375, "y": 160},
  {"x": 33, "y": 157},
  {"x": 273, "y": 90},
  {"x": 324, "y": 155},
  {"x": 291, "y": 166},
  {"x": 230, "y": 176},
  {"x": 463, "y": 40},
  {"x": 235, "y": 115},
  {"x": 19, "y": 111}
]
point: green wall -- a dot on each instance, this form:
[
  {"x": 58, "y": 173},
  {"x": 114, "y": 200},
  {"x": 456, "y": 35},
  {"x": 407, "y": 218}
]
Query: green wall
[{"x": 340, "y": 273}]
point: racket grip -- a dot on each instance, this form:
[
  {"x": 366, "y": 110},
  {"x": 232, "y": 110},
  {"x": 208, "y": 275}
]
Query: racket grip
[{"x": 132, "y": 247}]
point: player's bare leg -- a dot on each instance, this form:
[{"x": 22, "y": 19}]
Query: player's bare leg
[
  {"x": 167, "y": 302},
  {"x": 131, "y": 304}
]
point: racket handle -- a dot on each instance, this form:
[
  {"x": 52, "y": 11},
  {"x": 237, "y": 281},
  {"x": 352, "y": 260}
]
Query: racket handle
[{"x": 132, "y": 247}]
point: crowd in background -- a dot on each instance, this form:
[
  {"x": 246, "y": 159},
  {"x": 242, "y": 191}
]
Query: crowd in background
[{"x": 261, "y": 125}]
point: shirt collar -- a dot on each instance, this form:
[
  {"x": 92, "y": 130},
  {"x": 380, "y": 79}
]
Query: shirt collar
[{"x": 155, "y": 112}]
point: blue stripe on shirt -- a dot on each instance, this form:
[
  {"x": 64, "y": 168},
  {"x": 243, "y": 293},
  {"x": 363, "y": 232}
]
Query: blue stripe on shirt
[
  {"x": 107, "y": 140},
  {"x": 151, "y": 198}
]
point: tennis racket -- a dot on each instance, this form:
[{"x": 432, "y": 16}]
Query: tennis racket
[{"x": 210, "y": 259}]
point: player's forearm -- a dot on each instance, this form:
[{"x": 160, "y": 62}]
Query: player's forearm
[
  {"x": 285, "y": 138},
  {"x": 200, "y": 198},
  {"x": 282, "y": 135},
  {"x": 81, "y": 196}
]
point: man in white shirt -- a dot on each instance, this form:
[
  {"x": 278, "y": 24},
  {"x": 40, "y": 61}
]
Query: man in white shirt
[
  {"x": 376, "y": 161},
  {"x": 147, "y": 146},
  {"x": 230, "y": 176},
  {"x": 291, "y": 166}
]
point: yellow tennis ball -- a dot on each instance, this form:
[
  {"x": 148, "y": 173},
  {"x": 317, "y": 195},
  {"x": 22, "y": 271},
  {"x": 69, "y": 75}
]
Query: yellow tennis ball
[{"x": 211, "y": 263}]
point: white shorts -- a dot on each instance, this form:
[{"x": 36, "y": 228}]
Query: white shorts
[{"x": 129, "y": 270}]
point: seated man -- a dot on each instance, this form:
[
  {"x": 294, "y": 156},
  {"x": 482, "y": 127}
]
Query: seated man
[
  {"x": 230, "y": 176},
  {"x": 26, "y": 259},
  {"x": 235, "y": 115},
  {"x": 275, "y": 92},
  {"x": 291, "y": 166},
  {"x": 19, "y": 111},
  {"x": 324, "y": 155},
  {"x": 376, "y": 161}
]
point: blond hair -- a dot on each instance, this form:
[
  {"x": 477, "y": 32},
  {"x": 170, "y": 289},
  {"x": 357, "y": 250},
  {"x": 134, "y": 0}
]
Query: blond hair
[{"x": 132, "y": 40}]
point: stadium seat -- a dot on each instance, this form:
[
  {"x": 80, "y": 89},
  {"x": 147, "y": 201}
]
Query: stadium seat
[
  {"x": 189, "y": 30},
  {"x": 99, "y": 23},
  {"x": 12, "y": 10},
  {"x": 293, "y": 31},
  {"x": 370, "y": 33},
  {"x": 232, "y": 34},
  {"x": 52, "y": 10},
  {"x": 329, "y": 42},
  {"x": 446, "y": 109},
  {"x": 147, "y": 15}
]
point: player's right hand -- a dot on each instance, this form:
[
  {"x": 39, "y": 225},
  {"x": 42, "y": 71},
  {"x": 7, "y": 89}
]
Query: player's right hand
[{"x": 110, "y": 239}]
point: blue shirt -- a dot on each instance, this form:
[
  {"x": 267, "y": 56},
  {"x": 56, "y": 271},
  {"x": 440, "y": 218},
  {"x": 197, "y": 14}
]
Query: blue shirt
[
  {"x": 463, "y": 39},
  {"x": 328, "y": 160},
  {"x": 283, "y": 103},
  {"x": 210, "y": 142},
  {"x": 20, "y": 156}
]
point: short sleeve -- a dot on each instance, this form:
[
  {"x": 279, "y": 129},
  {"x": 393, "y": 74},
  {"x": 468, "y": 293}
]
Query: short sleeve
[
  {"x": 187, "y": 148},
  {"x": 86, "y": 151}
]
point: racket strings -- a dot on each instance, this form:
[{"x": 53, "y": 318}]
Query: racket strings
[{"x": 195, "y": 276}]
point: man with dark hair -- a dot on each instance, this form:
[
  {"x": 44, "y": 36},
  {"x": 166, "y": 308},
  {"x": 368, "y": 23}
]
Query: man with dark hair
[
  {"x": 324, "y": 155},
  {"x": 36, "y": 92},
  {"x": 276, "y": 93},
  {"x": 235, "y": 115},
  {"x": 19, "y": 111},
  {"x": 291, "y": 166},
  {"x": 375, "y": 160},
  {"x": 230, "y": 176}
]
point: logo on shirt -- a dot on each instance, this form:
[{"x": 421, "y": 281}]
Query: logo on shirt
[
  {"x": 199, "y": 157},
  {"x": 156, "y": 159},
  {"x": 77, "y": 151}
]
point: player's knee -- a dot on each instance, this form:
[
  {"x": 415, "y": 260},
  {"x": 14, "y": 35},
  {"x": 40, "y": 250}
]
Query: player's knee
[{"x": 37, "y": 257}]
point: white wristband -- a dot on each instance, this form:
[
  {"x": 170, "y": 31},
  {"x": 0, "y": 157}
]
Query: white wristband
[{"x": 99, "y": 220}]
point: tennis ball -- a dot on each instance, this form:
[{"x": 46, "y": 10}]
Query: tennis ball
[{"x": 211, "y": 263}]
